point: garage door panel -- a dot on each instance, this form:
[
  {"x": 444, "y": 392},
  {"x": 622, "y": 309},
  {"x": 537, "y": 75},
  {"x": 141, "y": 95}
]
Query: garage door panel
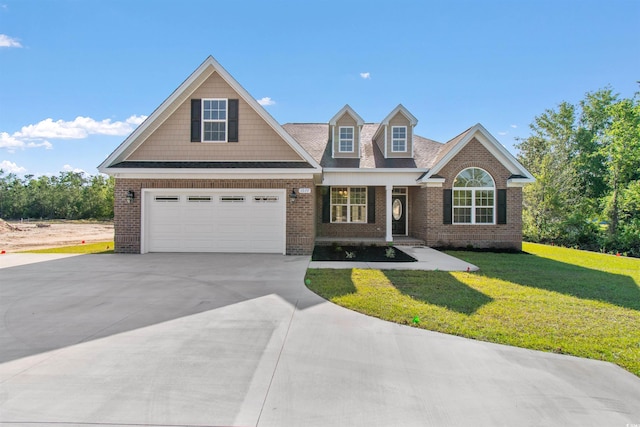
[{"x": 242, "y": 221}]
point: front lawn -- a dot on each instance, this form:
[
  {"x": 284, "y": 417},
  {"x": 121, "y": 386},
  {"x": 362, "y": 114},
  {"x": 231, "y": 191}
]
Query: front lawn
[{"x": 550, "y": 298}]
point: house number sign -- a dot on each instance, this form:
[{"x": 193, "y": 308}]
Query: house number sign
[{"x": 304, "y": 191}]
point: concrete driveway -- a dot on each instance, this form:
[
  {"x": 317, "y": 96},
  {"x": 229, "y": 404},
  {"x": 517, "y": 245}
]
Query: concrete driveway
[{"x": 237, "y": 340}]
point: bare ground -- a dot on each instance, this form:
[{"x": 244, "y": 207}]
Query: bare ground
[{"x": 18, "y": 236}]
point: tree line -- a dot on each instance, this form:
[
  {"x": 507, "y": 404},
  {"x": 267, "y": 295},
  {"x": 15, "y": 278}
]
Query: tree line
[
  {"x": 70, "y": 195},
  {"x": 586, "y": 161}
]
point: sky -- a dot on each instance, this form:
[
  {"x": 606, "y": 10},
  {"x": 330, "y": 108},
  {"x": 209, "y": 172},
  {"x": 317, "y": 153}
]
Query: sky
[{"x": 76, "y": 77}]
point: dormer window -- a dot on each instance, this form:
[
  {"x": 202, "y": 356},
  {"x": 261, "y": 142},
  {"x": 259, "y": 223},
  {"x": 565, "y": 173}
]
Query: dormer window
[
  {"x": 399, "y": 139},
  {"x": 346, "y": 139}
]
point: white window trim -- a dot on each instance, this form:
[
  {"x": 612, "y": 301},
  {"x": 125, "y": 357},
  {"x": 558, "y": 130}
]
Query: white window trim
[
  {"x": 348, "y": 205},
  {"x": 399, "y": 139},
  {"x": 473, "y": 201},
  {"x": 225, "y": 121},
  {"x": 353, "y": 136}
]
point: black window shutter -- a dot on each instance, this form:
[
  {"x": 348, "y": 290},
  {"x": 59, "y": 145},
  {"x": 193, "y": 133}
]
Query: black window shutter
[
  {"x": 326, "y": 204},
  {"x": 196, "y": 116},
  {"x": 232, "y": 121},
  {"x": 502, "y": 206},
  {"x": 447, "y": 206},
  {"x": 371, "y": 205}
]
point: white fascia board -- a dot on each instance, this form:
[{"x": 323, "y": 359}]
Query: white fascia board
[
  {"x": 347, "y": 109},
  {"x": 158, "y": 112},
  {"x": 134, "y": 173},
  {"x": 433, "y": 182},
  {"x": 491, "y": 144},
  {"x": 519, "y": 182},
  {"x": 401, "y": 109},
  {"x": 394, "y": 178},
  {"x": 381, "y": 170}
]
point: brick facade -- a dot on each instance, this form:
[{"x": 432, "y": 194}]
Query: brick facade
[
  {"x": 374, "y": 230},
  {"x": 428, "y": 225},
  {"x": 425, "y": 208},
  {"x": 300, "y": 215}
]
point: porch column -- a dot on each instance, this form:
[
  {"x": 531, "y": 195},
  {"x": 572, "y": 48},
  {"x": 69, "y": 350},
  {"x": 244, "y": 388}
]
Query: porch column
[{"x": 389, "y": 232}]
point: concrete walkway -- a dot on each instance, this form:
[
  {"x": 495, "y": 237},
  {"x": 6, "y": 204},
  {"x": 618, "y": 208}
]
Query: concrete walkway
[
  {"x": 428, "y": 259},
  {"x": 237, "y": 340}
]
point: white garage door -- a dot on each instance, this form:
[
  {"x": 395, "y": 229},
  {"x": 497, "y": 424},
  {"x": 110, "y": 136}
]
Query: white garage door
[{"x": 214, "y": 221}]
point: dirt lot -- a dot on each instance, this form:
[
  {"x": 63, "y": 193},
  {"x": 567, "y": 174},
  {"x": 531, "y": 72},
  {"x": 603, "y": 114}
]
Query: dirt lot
[{"x": 18, "y": 236}]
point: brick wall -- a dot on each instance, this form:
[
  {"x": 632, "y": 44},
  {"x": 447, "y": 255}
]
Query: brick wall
[
  {"x": 300, "y": 215},
  {"x": 375, "y": 230},
  {"x": 426, "y": 218}
]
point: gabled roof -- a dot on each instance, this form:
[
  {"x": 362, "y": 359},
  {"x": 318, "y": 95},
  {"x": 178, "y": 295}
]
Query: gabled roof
[
  {"x": 453, "y": 147},
  {"x": 346, "y": 109},
  {"x": 399, "y": 109},
  {"x": 179, "y": 96}
]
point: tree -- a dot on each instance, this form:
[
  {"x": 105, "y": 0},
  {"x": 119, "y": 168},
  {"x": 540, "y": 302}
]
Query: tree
[
  {"x": 621, "y": 152},
  {"x": 546, "y": 154}
]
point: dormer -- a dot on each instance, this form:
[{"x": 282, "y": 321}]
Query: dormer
[
  {"x": 345, "y": 129},
  {"x": 394, "y": 137}
]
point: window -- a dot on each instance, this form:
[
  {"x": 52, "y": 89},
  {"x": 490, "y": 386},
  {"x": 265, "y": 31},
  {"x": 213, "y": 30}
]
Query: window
[
  {"x": 349, "y": 204},
  {"x": 398, "y": 138},
  {"x": 232, "y": 199},
  {"x": 473, "y": 197},
  {"x": 214, "y": 120},
  {"x": 167, "y": 198},
  {"x": 199, "y": 198},
  {"x": 265, "y": 199},
  {"x": 346, "y": 139}
]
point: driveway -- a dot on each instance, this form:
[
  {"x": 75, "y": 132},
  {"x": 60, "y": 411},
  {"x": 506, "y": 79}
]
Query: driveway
[{"x": 237, "y": 340}]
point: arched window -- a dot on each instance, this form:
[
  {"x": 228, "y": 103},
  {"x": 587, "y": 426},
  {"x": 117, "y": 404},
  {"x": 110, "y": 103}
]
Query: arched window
[{"x": 473, "y": 197}]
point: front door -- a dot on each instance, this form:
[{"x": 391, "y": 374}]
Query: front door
[{"x": 399, "y": 214}]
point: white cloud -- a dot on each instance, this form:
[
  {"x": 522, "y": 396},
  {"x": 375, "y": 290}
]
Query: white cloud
[
  {"x": 266, "y": 101},
  {"x": 12, "y": 143},
  {"x": 6, "y": 41},
  {"x": 35, "y": 136},
  {"x": 10, "y": 167},
  {"x": 366, "y": 76},
  {"x": 514, "y": 126},
  {"x": 79, "y": 128},
  {"x": 502, "y": 133},
  {"x": 69, "y": 168}
]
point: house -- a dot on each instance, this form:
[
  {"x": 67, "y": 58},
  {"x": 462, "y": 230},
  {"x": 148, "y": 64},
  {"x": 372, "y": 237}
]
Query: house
[{"x": 210, "y": 170}]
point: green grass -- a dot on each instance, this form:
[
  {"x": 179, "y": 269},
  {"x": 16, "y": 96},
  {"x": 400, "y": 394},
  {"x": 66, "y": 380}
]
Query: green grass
[
  {"x": 552, "y": 299},
  {"x": 89, "y": 248}
]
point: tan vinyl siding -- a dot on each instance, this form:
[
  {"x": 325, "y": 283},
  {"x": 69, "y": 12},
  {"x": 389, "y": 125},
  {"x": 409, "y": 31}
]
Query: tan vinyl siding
[
  {"x": 399, "y": 120},
  {"x": 346, "y": 120},
  {"x": 257, "y": 140}
]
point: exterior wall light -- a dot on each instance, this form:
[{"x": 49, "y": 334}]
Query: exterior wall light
[
  {"x": 130, "y": 196},
  {"x": 293, "y": 196}
]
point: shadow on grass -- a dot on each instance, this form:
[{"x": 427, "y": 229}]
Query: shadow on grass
[
  {"x": 438, "y": 288},
  {"x": 542, "y": 273},
  {"x": 329, "y": 283}
]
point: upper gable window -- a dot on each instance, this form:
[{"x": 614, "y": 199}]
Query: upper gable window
[
  {"x": 398, "y": 138},
  {"x": 214, "y": 120},
  {"x": 473, "y": 197},
  {"x": 346, "y": 139}
]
